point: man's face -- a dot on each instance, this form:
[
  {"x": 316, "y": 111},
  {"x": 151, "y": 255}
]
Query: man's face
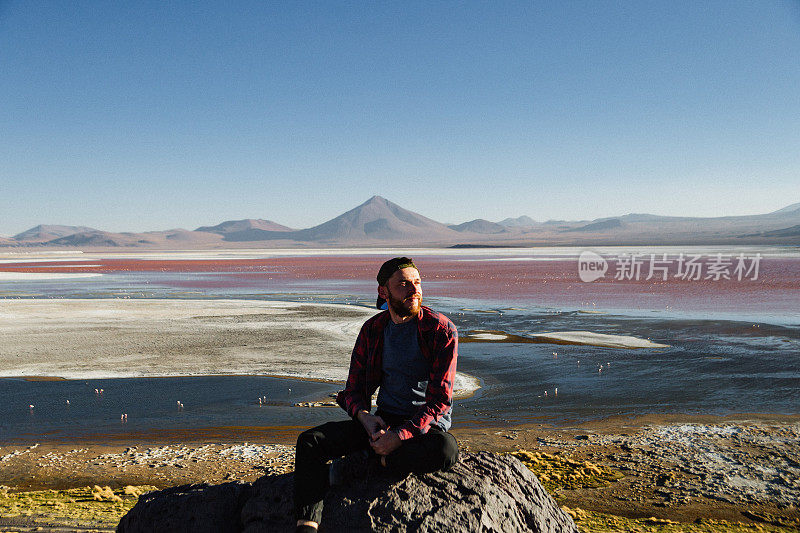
[{"x": 403, "y": 291}]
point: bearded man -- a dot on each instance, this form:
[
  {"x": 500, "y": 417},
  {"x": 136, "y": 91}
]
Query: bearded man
[{"x": 410, "y": 352}]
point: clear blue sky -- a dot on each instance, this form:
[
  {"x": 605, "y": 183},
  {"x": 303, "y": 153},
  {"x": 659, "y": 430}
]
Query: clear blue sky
[{"x": 133, "y": 116}]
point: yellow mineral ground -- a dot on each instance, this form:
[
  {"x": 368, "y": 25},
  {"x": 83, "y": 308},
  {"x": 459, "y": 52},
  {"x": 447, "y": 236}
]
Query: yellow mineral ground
[
  {"x": 594, "y": 522},
  {"x": 80, "y": 507},
  {"x": 557, "y": 472}
]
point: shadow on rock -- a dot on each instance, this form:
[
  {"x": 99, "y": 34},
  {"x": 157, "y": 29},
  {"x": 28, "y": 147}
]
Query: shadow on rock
[{"x": 482, "y": 492}]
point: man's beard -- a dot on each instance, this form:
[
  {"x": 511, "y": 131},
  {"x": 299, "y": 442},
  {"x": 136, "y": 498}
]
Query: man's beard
[{"x": 404, "y": 308}]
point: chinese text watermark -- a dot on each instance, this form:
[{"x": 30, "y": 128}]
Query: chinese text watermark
[{"x": 686, "y": 267}]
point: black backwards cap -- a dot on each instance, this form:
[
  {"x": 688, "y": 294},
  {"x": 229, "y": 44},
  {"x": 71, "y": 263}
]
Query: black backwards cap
[{"x": 387, "y": 269}]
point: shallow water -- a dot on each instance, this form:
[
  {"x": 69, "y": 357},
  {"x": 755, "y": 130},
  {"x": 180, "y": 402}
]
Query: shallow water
[
  {"x": 710, "y": 367},
  {"x": 152, "y": 406}
]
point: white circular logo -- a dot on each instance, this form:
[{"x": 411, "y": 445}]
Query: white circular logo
[{"x": 591, "y": 266}]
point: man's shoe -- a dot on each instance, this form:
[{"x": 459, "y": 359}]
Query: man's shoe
[{"x": 345, "y": 469}]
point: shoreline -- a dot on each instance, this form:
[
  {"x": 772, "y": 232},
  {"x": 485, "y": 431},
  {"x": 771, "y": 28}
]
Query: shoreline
[
  {"x": 470, "y": 384},
  {"x": 283, "y": 434}
]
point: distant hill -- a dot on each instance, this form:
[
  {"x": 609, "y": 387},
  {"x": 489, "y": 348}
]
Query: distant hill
[
  {"x": 182, "y": 236},
  {"x": 480, "y": 225},
  {"x": 237, "y": 226},
  {"x": 377, "y": 219},
  {"x": 97, "y": 239},
  {"x": 152, "y": 239},
  {"x": 794, "y": 231},
  {"x": 247, "y": 230},
  {"x": 602, "y": 225},
  {"x": 44, "y": 233},
  {"x": 788, "y": 209},
  {"x": 564, "y": 223},
  {"x": 523, "y": 221},
  {"x": 644, "y": 217}
]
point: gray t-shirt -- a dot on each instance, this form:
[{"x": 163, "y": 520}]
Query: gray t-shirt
[{"x": 405, "y": 372}]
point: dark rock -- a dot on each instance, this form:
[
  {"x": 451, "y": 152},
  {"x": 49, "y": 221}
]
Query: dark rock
[
  {"x": 482, "y": 492},
  {"x": 199, "y": 508}
]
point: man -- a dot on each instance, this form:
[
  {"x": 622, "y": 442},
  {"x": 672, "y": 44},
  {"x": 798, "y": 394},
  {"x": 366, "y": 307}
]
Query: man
[{"x": 410, "y": 352}]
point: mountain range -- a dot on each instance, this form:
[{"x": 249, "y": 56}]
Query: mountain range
[{"x": 379, "y": 222}]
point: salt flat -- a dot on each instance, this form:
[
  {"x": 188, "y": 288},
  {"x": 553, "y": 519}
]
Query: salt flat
[
  {"x": 589, "y": 338},
  {"x": 36, "y": 276},
  {"x": 114, "y": 338}
]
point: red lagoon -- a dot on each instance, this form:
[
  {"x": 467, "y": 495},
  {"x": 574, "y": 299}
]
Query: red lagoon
[{"x": 543, "y": 281}]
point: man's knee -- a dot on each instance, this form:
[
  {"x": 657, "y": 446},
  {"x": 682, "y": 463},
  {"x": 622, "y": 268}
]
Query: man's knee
[
  {"x": 330, "y": 439},
  {"x": 309, "y": 439},
  {"x": 450, "y": 451},
  {"x": 446, "y": 448}
]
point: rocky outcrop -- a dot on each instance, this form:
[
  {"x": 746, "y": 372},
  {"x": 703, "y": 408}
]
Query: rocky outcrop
[{"x": 482, "y": 492}]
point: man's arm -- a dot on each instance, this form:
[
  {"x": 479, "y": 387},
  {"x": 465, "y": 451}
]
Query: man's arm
[
  {"x": 353, "y": 398},
  {"x": 439, "y": 394}
]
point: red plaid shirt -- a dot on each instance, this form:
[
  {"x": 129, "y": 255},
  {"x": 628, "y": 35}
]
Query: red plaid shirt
[{"x": 438, "y": 341}]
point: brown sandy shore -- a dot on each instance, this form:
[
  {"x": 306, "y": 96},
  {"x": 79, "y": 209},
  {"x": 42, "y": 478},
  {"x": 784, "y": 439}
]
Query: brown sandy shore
[{"x": 655, "y": 473}]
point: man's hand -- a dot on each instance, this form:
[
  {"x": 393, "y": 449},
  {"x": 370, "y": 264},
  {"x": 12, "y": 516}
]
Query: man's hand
[
  {"x": 386, "y": 443},
  {"x": 372, "y": 423}
]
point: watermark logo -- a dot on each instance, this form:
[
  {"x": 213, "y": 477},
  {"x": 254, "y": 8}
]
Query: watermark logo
[
  {"x": 591, "y": 266},
  {"x": 686, "y": 267}
]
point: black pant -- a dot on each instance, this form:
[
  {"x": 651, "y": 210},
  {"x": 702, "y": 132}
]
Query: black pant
[{"x": 435, "y": 450}]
